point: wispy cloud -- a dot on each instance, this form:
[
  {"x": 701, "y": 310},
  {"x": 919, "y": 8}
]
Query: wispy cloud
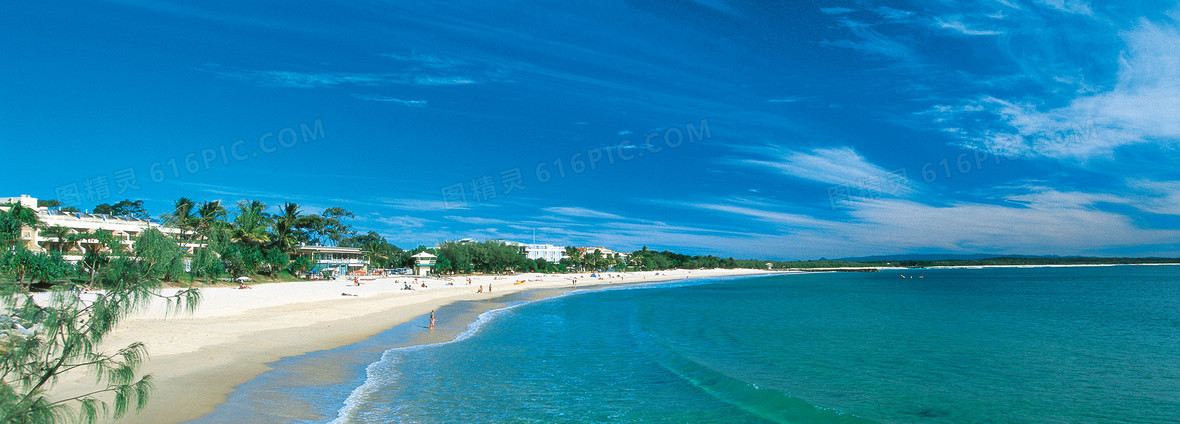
[
  {"x": 297, "y": 79},
  {"x": 1031, "y": 221},
  {"x": 1139, "y": 108},
  {"x": 718, "y": 5},
  {"x": 873, "y": 42},
  {"x": 426, "y": 60},
  {"x": 421, "y": 205},
  {"x": 401, "y": 221},
  {"x": 581, "y": 212},
  {"x": 474, "y": 220},
  {"x": 894, "y": 14},
  {"x": 955, "y": 23},
  {"x": 836, "y": 10},
  {"x": 838, "y": 166},
  {"x": 788, "y": 99},
  {"x": 372, "y": 98},
  {"x": 799, "y": 220},
  {"x": 1163, "y": 197},
  {"x": 1079, "y": 7},
  {"x": 966, "y": 227}
]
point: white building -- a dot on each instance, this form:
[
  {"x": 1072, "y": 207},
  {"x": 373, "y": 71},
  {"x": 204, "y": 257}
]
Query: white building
[
  {"x": 335, "y": 260},
  {"x": 55, "y": 224},
  {"x": 548, "y": 252},
  {"x": 606, "y": 253},
  {"x": 423, "y": 263}
]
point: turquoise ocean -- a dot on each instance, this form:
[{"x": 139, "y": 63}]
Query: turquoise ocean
[{"x": 996, "y": 345}]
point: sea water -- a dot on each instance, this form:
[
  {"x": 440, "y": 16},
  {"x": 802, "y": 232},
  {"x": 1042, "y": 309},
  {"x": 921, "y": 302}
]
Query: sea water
[{"x": 997, "y": 345}]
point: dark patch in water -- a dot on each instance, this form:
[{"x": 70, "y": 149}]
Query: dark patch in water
[{"x": 932, "y": 413}]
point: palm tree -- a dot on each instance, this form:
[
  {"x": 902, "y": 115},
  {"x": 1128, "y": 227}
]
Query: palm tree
[
  {"x": 251, "y": 224},
  {"x": 182, "y": 216},
  {"x": 286, "y": 233},
  {"x": 209, "y": 215},
  {"x": 574, "y": 255}
]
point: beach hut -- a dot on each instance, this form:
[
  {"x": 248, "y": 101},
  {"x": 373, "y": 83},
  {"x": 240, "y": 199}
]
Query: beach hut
[{"x": 423, "y": 263}]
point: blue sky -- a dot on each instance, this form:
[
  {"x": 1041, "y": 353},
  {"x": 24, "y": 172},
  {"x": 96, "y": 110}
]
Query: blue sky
[{"x": 786, "y": 130}]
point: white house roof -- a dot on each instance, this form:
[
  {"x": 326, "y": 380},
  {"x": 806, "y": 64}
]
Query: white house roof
[{"x": 423, "y": 255}]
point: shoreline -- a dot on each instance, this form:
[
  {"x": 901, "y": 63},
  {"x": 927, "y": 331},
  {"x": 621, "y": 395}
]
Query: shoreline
[{"x": 198, "y": 359}]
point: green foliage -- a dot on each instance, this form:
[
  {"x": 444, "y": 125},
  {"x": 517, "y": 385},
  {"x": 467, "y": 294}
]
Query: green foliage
[
  {"x": 381, "y": 253},
  {"x": 124, "y": 207},
  {"x": 100, "y": 246},
  {"x": 55, "y": 333},
  {"x": 489, "y": 256},
  {"x": 301, "y": 264},
  {"x": 327, "y": 227},
  {"x": 13, "y": 220},
  {"x": 28, "y": 267},
  {"x": 275, "y": 261},
  {"x": 252, "y": 225},
  {"x": 241, "y": 260},
  {"x": 287, "y": 233}
]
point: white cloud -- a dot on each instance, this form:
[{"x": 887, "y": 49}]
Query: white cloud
[
  {"x": 1140, "y": 107},
  {"x": 1163, "y": 197},
  {"x": 788, "y": 99},
  {"x": 871, "y": 41},
  {"x": 403, "y": 221},
  {"x": 718, "y": 5},
  {"x": 421, "y": 205},
  {"x": 295, "y": 79},
  {"x": 372, "y": 98},
  {"x": 836, "y": 10},
  {"x": 969, "y": 227},
  {"x": 837, "y": 166},
  {"x": 477, "y": 220},
  {"x": 895, "y": 225},
  {"x": 1069, "y": 6},
  {"x": 770, "y": 216},
  {"x": 956, "y": 24},
  {"x": 581, "y": 212},
  {"x": 892, "y": 14}
]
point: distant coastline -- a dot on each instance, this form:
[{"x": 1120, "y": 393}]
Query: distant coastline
[{"x": 999, "y": 261}]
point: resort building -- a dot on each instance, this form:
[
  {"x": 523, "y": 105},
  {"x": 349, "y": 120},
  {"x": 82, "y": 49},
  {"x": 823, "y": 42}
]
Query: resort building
[
  {"x": 548, "y": 252},
  {"x": 423, "y": 263},
  {"x": 335, "y": 261},
  {"x": 56, "y": 226},
  {"x": 606, "y": 253}
]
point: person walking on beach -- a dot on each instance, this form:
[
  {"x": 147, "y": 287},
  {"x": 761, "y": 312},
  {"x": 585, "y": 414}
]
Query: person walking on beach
[{"x": 431, "y": 320}]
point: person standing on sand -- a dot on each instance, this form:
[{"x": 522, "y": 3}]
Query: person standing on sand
[{"x": 431, "y": 320}]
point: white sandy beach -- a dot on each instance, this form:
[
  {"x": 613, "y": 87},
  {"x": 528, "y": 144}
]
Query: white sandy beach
[{"x": 198, "y": 358}]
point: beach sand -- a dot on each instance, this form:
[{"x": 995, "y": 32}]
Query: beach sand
[{"x": 198, "y": 358}]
